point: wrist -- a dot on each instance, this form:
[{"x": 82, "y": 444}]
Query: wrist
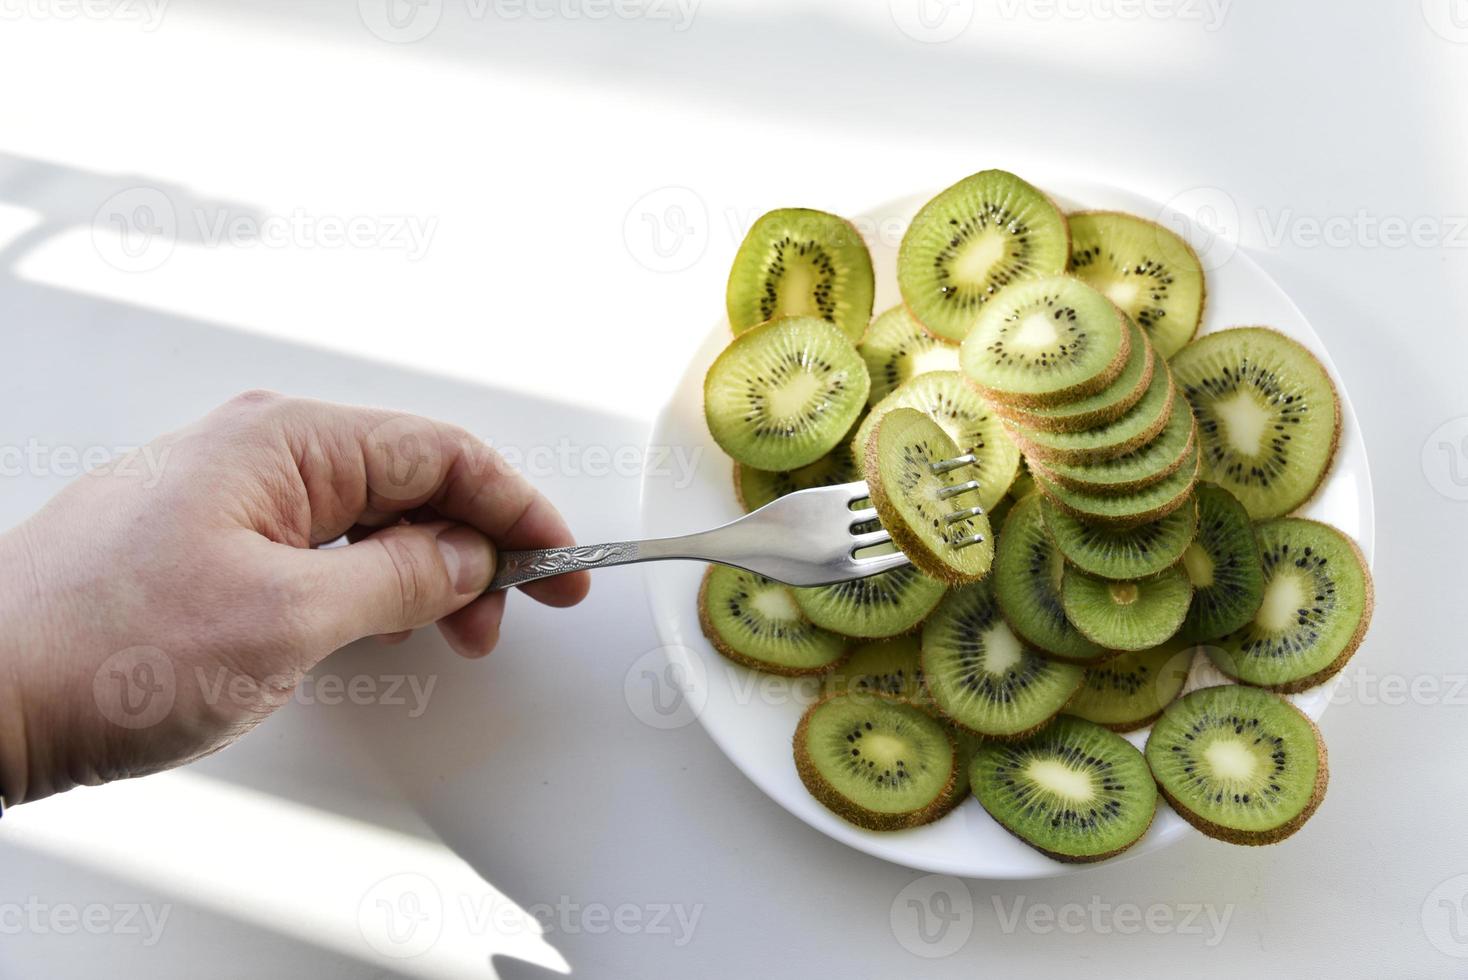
[{"x": 17, "y": 595}]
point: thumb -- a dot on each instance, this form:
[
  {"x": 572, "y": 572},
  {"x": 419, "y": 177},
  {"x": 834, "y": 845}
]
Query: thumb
[{"x": 404, "y": 577}]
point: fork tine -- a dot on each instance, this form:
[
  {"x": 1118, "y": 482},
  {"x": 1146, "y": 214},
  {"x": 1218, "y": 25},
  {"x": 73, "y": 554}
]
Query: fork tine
[
  {"x": 965, "y": 542},
  {"x": 945, "y": 465},
  {"x": 957, "y": 489},
  {"x": 860, "y": 541},
  {"x": 862, "y": 516},
  {"x": 881, "y": 563},
  {"x": 962, "y": 515}
]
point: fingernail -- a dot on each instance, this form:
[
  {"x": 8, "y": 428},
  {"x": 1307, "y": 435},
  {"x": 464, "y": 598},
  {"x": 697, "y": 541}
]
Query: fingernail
[{"x": 469, "y": 558}]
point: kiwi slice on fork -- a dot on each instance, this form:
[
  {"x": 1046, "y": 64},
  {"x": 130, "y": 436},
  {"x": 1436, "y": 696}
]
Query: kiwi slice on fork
[
  {"x": 919, "y": 487},
  {"x": 971, "y": 242},
  {"x": 959, "y": 411},
  {"x": 1240, "y": 764},
  {"x": 878, "y": 762},
  {"x": 754, "y": 621},
  {"x": 799, "y": 262},
  {"x": 1046, "y": 342},
  {"x": 1144, "y": 268},
  {"x": 1268, "y": 416},
  {"x": 783, "y": 394},
  {"x": 877, "y": 606},
  {"x": 896, "y": 348}
]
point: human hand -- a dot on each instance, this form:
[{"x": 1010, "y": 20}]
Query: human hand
[{"x": 204, "y": 566}]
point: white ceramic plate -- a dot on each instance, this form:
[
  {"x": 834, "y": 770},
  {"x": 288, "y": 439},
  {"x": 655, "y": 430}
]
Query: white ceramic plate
[{"x": 752, "y": 716}]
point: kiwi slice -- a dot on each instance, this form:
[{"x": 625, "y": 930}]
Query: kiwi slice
[
  {"x": 798, "y": 262},
  {"x": 891, "y": 667},
  {"x": 1130, "y": 692},
  {"x": 1046, "y": 342},
  {"x": 971, "y": 242},
  {"x": 783, "y": 394},
  {"x": 1268, "y": 416},
  {"x": 1318, "y": 599},
  {"x": 968, "y": 746},
  {"x": 1122, "y": 553},
  {"x": 1138, "y": 469},
  {"x": 1142, "y": 507},
  {"x": 1131, "y": 615},
  {"x": 1107, "y": 405},
  {"x": 1075, "y": 791},
  {"x": 877, "y": 606},
  {"x": 1225, "y": 567},
  {"x": 878, "y": 762},
  {"x": 922, "y": 502},
  {"x": 958, "y": 409},
  {"x": 755, "y": 488},
  {"x": 1240, "y": 764},
  {"x": 1138, "y": 426},
  {"x": 754, "y": 621},
  {"x": 896, "y": 348},
  {"x": 1145, "y": 269},
  {"x": 979, "y": 674},
  {"x": 1027, "y": 573}
]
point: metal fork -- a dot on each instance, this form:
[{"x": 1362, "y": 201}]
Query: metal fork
[{"x": 810, "y": 537}]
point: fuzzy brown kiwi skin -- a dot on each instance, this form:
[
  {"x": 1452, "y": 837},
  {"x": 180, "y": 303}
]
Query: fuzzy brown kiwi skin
[
  {"x": 1092, "y": 385},
  {"x": 1126, "y": 487},
  {"x": 705, "y": 621},
  {"x": 918, "y": 552},
  {"x": 1368, "y": 607},
  {"x": 1077, "y": 858},
  {"x": 1096, "y": 454},
  {"x": 1087, "y": 420},
  {"x": 1273, "y": 835},
  {"x": 829, "y": 797},
  {"x": 1129, "y": 520}
]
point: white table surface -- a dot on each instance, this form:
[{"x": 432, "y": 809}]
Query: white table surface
[{"x": 501, "y": 178}]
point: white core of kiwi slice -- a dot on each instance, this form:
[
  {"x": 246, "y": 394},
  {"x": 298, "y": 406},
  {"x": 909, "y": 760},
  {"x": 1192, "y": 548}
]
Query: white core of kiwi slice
[
  {"x": 896, "y": 348},
  {"x": 1105, "y": 406},
  {"x": 1145, "y": 269},
  {"x": 783, "y": 394},
  {"x": 756, "y": 622},
  {"x": 1046, "y": 342},
  {"x": 1240, "y": 764},
  {"x": 1268, "y": 416},
  {"x": 799, "y": 262},
  {"x": 959, "y": 411},
  {"x": 971, "y": 242},
  {"x": 929, "y": 517}
]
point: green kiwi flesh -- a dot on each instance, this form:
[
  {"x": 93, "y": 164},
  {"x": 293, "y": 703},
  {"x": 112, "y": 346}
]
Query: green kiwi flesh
[
  {"x": 1129, "y": 510},
  {"x": 1046, "y": 342},
  {"x": 1145, "y": 269},
  {"x": 784, "y": 393},
  {"x": 754, "y": 621},
  {"x": 1225, "y": 567},
  {"x": 1268, "y": 416},
  {"x": 971, "y": 242},
  {"x": 1126, "y": 615},
  {"x": 877, "y": 762},
  {"x": 891, "y": 667},
  {"x": 928, "y": 516},
  {"x": 1138, "y": 469},
  {"x": 1130, "y": 692},
  {"x": 1138, "y": 426},
  {"x": 959, "y": 411},
  {"x": 874, "y": 607},
  {"x": 1027, "y": 574},
  {"x": 981, "y": 677},
  {"x": 1317, "y": 605},
  {"x": 1240, "y": 764},
  {"x": 755, "y": 488},
  {"x": 1107, "y": 405},
  {"x": 896, "y": 348},
  {"x": 1075, "y": 791},
  {"x": 799, "y": 262},
  {"x": 1122, "y": 553}
]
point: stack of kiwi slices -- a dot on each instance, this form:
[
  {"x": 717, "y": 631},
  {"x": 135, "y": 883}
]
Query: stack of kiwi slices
[{"x": 1093, "y": 502}]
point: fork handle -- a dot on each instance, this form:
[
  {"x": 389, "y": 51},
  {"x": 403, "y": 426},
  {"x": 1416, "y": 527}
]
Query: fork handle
[{"x": 519, "y": 567}]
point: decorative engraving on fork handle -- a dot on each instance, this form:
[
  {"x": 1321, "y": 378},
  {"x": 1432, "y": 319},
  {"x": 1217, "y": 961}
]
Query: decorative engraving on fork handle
[{"x": 524, "y": 566}]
